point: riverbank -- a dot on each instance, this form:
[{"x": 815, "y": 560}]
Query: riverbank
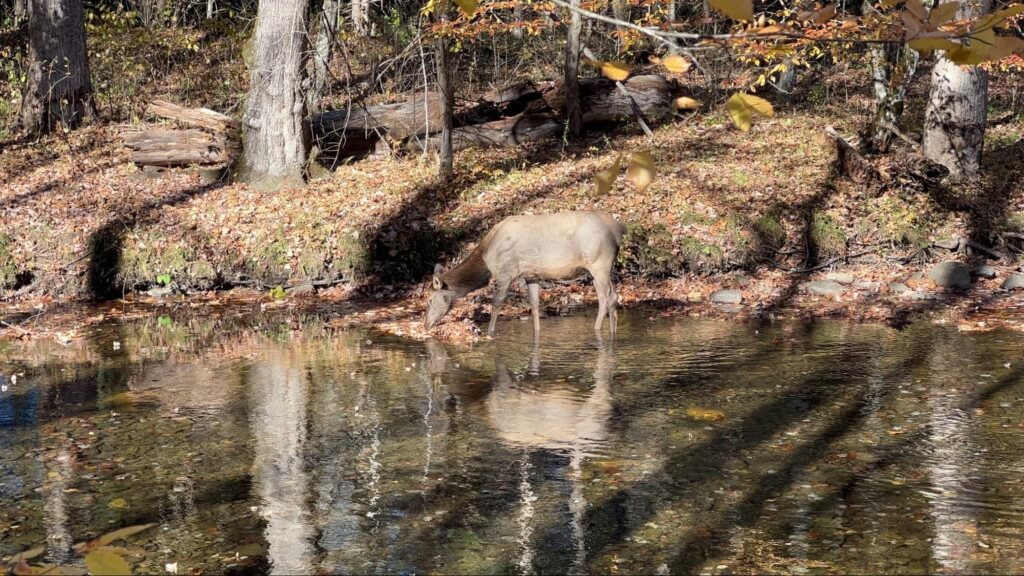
[{"x": 758, "y": 215}]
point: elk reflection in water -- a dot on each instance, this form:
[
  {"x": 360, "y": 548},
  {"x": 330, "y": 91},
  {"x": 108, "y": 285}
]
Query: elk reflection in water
[{"x": 530, "y": 415}]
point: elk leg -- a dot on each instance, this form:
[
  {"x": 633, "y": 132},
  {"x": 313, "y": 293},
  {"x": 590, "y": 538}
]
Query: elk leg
[
  {"x": 534, "y": 289},
  {"x": 613, "y": 313},
  {"x": 500, "y": 292},
  {"x": 601, "y": 286}
]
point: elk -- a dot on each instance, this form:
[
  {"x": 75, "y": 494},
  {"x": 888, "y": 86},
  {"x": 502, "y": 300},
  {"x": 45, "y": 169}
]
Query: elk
[{"x": 558, "y": 246}]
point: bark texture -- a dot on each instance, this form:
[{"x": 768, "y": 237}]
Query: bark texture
[
  {"x": 58, "y": 90},
  {"x": 954, "y": 124},
  {"x": 892, "y": 68},
  {"x": 276, "y": 136},
  {"x": 446, "y": 166},
  {"x": 328, "y": 27},
  {"x": 573, "y": 105}
]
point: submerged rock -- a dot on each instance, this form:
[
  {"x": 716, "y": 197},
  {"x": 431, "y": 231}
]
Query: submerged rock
[
  {"x": 727, "y": 297},
  {"x": 951, "y": 274},
  {"x": 1014, "y": 282},
  {"x": 824, "y": 288}
]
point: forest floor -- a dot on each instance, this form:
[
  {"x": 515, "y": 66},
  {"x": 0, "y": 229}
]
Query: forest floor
[{"x": 761, "y": 213}]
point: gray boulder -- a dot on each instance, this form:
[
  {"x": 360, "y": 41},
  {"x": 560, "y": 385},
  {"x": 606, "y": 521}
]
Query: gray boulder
[
  {"x": 951, "y": 274},
  {"x": 824, "y": 288},
  {"x": 727, "y": 297},
  {"x": 1014, "y": 282}
]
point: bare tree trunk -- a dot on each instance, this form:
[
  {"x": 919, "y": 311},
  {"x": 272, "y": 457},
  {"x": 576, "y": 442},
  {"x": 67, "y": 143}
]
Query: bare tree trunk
[
  {"x": 276, "y": 135},
  {"x": 20, "y": 11},
  {"x": 670, "y": 11},
  {"x": 58, "y": 88},
  {"x": 892, "y": 68},
  {"x": 518, "y": 15},
  {"x": 361, "y": 17},
  {"x": 209, "y": 9},
  {"x": 954, "y": 121},
  {"x": 573, "y": 107},
  {"x": 444, "y": 84},
  {"x": 328, "y": 24}
]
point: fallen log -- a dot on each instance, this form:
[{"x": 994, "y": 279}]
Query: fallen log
[
  {"x": 603, "y": 101},
  {"x": 199, "y": 117},
  {"x": 514, "y": 131},
  {"x": 171, "y": 148},
  {"x": 417, "y": 115}
]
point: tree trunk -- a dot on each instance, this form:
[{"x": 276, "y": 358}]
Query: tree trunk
[
  {"x": 209, "y": 9},
  {"x": 58, "y": 90},
  {"x": 573, "y": 106},
  {"x": 276, "y": 136},
  {"x": 670, "y": 11},
  {"x": 892, "y": 67},
  {"x": 954, "y": 122},
  {"x": 328, "y": 27},
  {"x": 517, "y": 16},
  {"x": 446, "y": 168},
  {"x": 361, "y": 17}
]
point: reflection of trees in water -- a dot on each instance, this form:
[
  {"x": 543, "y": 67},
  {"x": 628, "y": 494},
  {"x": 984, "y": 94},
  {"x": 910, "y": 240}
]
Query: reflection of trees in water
[
  {"x": 278, "y": 400},
  {"x": 60, "y": 476},
  {"x": 950, "y": 466}
]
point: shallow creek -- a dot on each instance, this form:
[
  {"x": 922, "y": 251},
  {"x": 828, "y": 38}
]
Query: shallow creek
[{"x": 278, "y": 445}]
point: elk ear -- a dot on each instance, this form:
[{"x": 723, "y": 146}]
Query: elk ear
[{"x": 436, "y": 282}]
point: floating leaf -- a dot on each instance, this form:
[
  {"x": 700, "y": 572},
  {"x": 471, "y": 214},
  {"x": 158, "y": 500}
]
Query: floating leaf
[
  {"x": 468, "y": 7},
  {"x": 605, "y": 178},
  {"x": 675, "y": 63},
  {"x": 686, "y": 103},
  {"x": 118, "y": 504},
  {"x": 106, "y": 563},
  {"x": 742, "y": 108},
  {"x": 28, "y": 554},
  {"x": 617, "y": 71},
  {"x": 641, "y": 170},
  {"x": 735, "y": 9},
  {"x": 123, "y": 533},
  {"x": 943, "y": 13},
  {"x": 705, "y": 414}
]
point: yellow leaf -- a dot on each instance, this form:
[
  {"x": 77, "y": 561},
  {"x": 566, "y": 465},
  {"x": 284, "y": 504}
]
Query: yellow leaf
[
  {"x": 617, "y": 71},
  {"x": 686, "y": 103},
  {"x": 1004, "y": 46},
  {"x": 773, "y": 29},
  {"x": 943, "y": 13},
  {"x": 742, "y": 108},
  {"x": 123, "y": 533},
  {"x": 117, "y": 503},
  {"x": 735, "y": 9},
  {"x": 705, "y": 414},
  {"x": 106, "y": 563},
  {"x": 967, "y": 55},
  {"x": 917, "y": 9},
  {"x": 605, "y": 178},
  {"x": 929, "y": 44},
  {"x": 675, "y": 63},
  {"x": 1010, "y": 12},
  {"x": 468, "y": 7},
  {"x": 641, "y": 170},
  {"x": 824, "y": 15}
]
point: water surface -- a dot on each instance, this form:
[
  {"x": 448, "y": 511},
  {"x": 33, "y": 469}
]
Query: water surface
[{"x": 278, "y": 445}]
